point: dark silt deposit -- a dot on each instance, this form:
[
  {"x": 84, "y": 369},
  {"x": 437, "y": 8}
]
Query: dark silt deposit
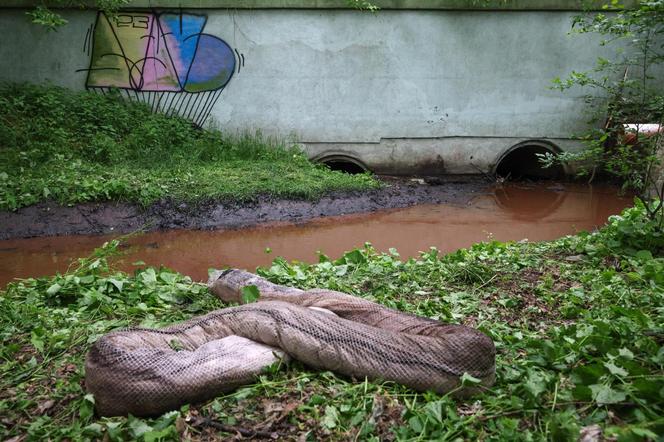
[
  {"x": 470, "y": 214},
  {"x": 51, "y": 219}
]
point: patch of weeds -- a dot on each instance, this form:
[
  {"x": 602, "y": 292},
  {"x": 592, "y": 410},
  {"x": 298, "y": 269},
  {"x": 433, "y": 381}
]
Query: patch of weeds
[
  {"x": 78, "y": 147},
  {"x": 578, "y": 329},
  {"x": 49, "y": 323}
]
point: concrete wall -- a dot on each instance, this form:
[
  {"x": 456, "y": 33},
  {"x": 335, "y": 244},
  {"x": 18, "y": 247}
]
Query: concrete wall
[{"x": 400, "y": 90}]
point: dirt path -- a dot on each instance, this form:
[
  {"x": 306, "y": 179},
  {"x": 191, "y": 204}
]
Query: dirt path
[{"x": 49, "y": 218}]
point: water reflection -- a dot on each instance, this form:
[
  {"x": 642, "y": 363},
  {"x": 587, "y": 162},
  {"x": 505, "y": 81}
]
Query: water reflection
[
  {"x": 509, "y": 212},
  {"x": 524, "y": 204}
]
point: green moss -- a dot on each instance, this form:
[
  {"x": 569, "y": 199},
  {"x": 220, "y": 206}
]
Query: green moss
[{"x": 566, "y": 5}]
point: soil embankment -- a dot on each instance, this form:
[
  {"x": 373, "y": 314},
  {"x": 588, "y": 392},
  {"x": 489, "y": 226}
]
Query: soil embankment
[{"x": 49, "y": 218}]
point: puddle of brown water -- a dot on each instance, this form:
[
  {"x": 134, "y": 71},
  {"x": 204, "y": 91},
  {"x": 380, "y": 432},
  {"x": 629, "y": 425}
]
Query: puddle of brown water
[{"x": 510, "y": 212}]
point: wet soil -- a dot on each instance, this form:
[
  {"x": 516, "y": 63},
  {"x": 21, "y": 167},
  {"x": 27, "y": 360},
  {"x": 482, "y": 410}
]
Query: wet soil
[
  {"x": 51, "y": 219},
  {"x": 535, "y": 212}
]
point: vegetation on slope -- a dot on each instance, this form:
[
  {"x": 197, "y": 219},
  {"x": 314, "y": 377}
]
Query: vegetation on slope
[
  {"x": 623, "y": 89},
  {"x": 77, "y": 147},
  {"x": 577, "y": 323}
]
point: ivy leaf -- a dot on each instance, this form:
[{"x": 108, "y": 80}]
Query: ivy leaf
[
  {"x": 536, "y": 383},
  {"x": 644, "y": 432},
  {"x": 354, "y": 257},
  {"x": 467, "y": 379},
  {"x": 93, "y": 429},
  {"x": 331, "y": 417},
  {"x": 52, "y": 290},
  {"x": 158, "y": 435},
  {"x": 615, "y": 370},
  {"x": 250, "y": 294},
  {"x": 167, "y": 277},
  {"x": 415, "y": 424},
  {"x": 138, "y": 427},
  {"x": 170, "y": 297},
  {"x": 87, "y": 407},
  {"x": 36, "y": 339},
  {"x": 114, "y": 430},
  {"x": 604, "y": 394},
  {"x": 118, "y": 284},
  {"x": 626, "y": 353},
  {"x": 149, "y": 277}
]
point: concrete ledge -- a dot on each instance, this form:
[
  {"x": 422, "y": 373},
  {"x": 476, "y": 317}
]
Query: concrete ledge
[
  {"x": 490, "y": 5},
  {"x": 434, "y": 156}
]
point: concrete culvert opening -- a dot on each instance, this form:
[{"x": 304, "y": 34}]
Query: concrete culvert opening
[
  {"x": 347, "y": 165},
  {"x": 523, "y": 163}
]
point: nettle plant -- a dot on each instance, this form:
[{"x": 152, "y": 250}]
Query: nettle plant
[{"x": 626, "y": 96}]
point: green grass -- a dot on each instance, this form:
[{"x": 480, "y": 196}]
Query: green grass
[
  {"x": 578, "y": 324},
  {"x": 77, "y": 147}
]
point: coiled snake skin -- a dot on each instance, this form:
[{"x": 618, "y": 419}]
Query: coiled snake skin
[{"x": 147, "y": 372}]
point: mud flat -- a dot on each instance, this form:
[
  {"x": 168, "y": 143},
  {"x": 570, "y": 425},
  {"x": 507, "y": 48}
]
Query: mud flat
[
  {"x": 508, "y": 212},
  {"x": 51, "y": 219}
]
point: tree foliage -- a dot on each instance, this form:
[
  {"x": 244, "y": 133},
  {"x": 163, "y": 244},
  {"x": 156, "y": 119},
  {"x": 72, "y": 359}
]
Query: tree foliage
[{"x": 628, "y": 88}]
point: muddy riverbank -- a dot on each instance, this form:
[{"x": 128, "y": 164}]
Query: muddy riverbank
[
  {"x": 511, "y": 212},
  {"x": 51, "y": 219}
]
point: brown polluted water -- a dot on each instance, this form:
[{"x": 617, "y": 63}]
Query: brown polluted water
[{"x": 505, "y": 213}]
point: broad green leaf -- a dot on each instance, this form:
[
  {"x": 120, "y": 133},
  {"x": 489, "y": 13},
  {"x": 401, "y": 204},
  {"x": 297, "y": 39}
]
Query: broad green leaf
[
  {"x": 644, "y": 255},
  {"x": 435, "y": 410},
  {"x": 604, "y": 394},
  {"x": 626, "y": 353},
  {"x": 250, "y": 294},
  {"x": 166, "y": 420},
  {"x": 168, "y": 277},
  {"x": 645, "y": 433},
  {"x": 37, "y": 342},
  {"x": 53, "y": 289},
  {"x": 354, "y": 257},
  {"x": 86, "y": 408},
  {"x": 118, "y": 284},
  {"x": 95, "y": 264},
  {"x": 138, "y": 427},
  {"x": 169, "y": 296},
  {"x": 149, "y": 277},
  {"x": 467, "y": 379},
  {"x": 615, "y": 370},
  {"x": 93, "y": 429},
  {"x": 331, "y": 417},
  {"x": 160, "y": 435},
  {"x": 536, "y": 382},
  {"x": 114, "y": 430},
  {"x": 415, "y": 424}
]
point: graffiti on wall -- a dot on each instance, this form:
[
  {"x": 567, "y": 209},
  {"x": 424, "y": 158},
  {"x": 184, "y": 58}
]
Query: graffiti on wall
[{"x": 164, "y": 59}]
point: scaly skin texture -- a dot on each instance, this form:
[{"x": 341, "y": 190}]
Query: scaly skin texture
[{"x": 147, "y": 372}]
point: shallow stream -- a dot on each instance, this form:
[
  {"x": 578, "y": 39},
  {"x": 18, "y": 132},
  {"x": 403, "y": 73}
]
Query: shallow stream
[{"x": 507, "y": 212}]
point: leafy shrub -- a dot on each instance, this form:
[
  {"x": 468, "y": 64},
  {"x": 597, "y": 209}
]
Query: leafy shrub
[
  {"x": 624, "y": 89},
  {"x": 632, "y": 232}
]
